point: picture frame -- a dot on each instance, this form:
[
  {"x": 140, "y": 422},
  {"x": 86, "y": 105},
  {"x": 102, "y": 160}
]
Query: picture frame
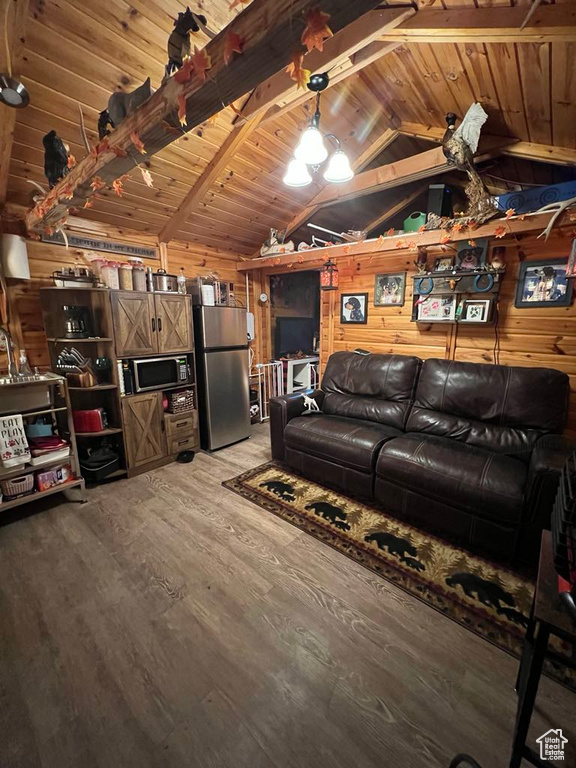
[
  {"x": 571, "y": 266},
  {"x": 444, "y": 264},
  {"x": 390, "y": 289},
  {"x": 354, "y": 308},
  {"x": 437, "y": 309},
  {"x": 472, "y": 256},
  {"x": 543, "y": 283},
  {"x": 475, "y": 311}
]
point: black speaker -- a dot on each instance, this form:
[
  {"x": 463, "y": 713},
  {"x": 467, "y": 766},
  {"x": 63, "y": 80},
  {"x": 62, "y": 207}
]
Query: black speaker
[{"x": 440, "y": 200}]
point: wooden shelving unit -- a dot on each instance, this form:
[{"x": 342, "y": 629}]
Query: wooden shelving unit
[
  {"x": 61, "y": 412},
  {"x": 106, "y": 394}
]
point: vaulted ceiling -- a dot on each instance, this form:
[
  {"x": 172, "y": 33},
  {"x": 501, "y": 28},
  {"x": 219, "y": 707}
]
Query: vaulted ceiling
[{"x": 76, "y": 53}]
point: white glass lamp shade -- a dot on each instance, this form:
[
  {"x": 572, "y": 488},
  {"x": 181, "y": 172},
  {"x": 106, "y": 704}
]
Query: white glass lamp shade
[
  {"x": 338, "y": 169},
  {"x": 297, "y": 174},
  {"x": 14, "y": 261},
  {"x": 311, "y": 149}
]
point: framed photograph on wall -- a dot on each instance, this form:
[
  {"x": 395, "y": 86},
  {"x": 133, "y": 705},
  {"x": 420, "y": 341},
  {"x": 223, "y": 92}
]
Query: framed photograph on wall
[
  {"x": 353, "y": 308},
  {"x": 444, "y": 264},
  {"x": 472, "y": 256},
  {"x": 389, "y": 290},
  {"x": 436, "y": 309},
  {"x": 543, "y": 284},
  {"x": 475, "y": 311}
]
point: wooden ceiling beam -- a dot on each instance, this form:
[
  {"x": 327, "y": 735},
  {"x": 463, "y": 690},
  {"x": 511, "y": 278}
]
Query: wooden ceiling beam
[
  {"x": 527, "y": 150},
  {"x": 396, "y": 208},
  {"x": 271, "y": 33},
  {"x": 215, "y": 167},
  {"x": 502, "y": 24},
  {"x": 420, "y": 166},
  {"x": 14, "y": 41},
  {"x": 369, "y": 154},
  {"x": 341, "y": 53}
]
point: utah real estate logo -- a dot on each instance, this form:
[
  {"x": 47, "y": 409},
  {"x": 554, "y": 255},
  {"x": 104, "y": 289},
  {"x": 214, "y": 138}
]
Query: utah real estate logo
[{"x": 552, "y": 744}]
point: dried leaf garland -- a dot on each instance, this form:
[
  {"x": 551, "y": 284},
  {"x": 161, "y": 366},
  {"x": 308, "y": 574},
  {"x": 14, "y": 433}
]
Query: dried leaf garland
[
  {"x": 510, "y": 212},
  {"x": 297, "y": 72},
  {"x": 147, "y": 176},
  {"x": 118, "y": 187},
  {"x": 171, "y": 129},
  {"x": 233, "y": 43},
  {"x": 71, "y": 162},
  {"x": 201, "y": 62},
  {"x": 316, "y": 30},
  {"x": 445, "y": 239},
  {"x": 89, "y": 203},
  {"x": 185, "y": 72},
  {"x": 118, "y": 151},
  {"x": 234, "y": 3},
  {"x": 138, "y": 143},
  {"x": 182, "y": 108},
  {"x": 390, "y": 232},
  {"x": 500, "y": 232},
  {"x": 97, "y": 183}
]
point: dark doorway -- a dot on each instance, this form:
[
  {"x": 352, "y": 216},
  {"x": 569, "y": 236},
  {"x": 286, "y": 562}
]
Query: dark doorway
[{"x": 295, "y": 313}]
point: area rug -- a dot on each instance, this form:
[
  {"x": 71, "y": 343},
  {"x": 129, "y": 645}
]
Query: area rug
[{"x": 486, "y": 598}]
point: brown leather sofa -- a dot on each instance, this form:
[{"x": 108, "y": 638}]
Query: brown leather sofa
[{"x": 468, "y": 450}]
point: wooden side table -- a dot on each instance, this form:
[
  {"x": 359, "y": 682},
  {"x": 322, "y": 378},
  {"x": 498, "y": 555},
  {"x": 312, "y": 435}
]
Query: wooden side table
[{"x": 547, "y": 617}]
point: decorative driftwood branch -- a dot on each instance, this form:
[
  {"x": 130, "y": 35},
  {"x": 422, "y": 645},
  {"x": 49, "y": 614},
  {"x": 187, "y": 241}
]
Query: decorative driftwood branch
[{"x": 270, "y": 33}]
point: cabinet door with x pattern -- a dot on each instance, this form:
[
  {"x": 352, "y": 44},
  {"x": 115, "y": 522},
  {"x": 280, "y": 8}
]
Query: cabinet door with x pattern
[
  {"x": 134, "y": 323},
  {"x": 143, "y": 424},
  {"x": 173, "y": 323}
]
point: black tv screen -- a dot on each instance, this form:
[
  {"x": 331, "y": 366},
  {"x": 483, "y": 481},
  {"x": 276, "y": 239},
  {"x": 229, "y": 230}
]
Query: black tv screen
[{"x": 294, "y": 334}]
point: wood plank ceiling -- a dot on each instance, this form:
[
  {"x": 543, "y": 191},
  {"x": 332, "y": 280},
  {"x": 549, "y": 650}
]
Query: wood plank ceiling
[{"x": 77, "y": 53}]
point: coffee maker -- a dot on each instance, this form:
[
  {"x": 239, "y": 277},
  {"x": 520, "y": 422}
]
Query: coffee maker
[{"x": 76, "y": 322}]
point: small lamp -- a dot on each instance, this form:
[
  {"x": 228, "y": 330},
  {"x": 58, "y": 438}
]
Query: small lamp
[
  {"x": 14, "y": 258},
  {"x": 329, "y": 278},
  {"x": 297, "y": 174},
  {"x": 338, "y": 169},
  {"x": 311, "y": 149}
]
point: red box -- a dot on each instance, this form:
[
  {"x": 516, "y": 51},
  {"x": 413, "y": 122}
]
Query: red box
[{"x": 93, "y": 420}]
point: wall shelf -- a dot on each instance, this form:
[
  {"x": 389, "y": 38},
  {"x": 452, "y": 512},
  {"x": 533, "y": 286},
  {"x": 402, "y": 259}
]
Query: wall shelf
[{"x": 5, "y": 505}]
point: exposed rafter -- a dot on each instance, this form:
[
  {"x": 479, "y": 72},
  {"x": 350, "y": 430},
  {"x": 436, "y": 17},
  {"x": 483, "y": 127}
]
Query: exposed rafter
[
  {"x": 397, "y": 207},
  {"x": 17, "y": 15},
  {"x": 281, "y": 90},
  {"x": 550, "y": 23},
  {"x": 543, "y": 153},
  {"x": 270, "y": 34},
  {"x": 420, "y": 166}
]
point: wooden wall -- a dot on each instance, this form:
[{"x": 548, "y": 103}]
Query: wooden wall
[
  {"x": 24, "y": 295},
  {"x": 526, "y": 337}
]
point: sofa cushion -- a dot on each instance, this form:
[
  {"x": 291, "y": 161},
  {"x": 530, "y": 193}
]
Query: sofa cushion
[
  {"x": 375, "y": 388},
  {"x": 487, "y": 484},
  {"x": 496, "y": 407},
  {"x": 349, "y": 442}
]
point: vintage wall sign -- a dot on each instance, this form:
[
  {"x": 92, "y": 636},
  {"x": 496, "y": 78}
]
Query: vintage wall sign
[{"x": 93, "y": 244}]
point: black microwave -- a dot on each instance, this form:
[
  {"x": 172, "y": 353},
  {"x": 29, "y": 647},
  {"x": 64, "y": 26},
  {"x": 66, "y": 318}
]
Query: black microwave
[{"x": 152, "y": 373}]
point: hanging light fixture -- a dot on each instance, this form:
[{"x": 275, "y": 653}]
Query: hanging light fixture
[
  {"x": 312, "y": 151},
  {"x": 329, "y": 277},
  {"x": 12, "y": 92}
]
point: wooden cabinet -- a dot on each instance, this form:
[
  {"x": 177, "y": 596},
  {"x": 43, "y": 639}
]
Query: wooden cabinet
[
  {"x": 173, "y": 324},
  {"x": 151, "y": 323},
  {"x": 134, "y": 316},
  {"x": 145, "y": 438}
]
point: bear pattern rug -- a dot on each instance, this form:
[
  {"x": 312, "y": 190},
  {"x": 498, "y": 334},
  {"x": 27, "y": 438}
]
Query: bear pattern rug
[{"x": 487, "y": 598}]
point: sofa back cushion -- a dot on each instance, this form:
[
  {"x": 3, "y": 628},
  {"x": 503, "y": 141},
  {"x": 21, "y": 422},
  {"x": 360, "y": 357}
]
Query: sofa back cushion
[
  {"x": 371, "y": 387},
  {"x": 501, "y": 408}
]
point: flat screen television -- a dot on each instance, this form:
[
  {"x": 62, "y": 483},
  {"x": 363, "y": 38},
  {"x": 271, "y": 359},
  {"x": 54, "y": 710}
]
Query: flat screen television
[{"x": 294, "y": 334}]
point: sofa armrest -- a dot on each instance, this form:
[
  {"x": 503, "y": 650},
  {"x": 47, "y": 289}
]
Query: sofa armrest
[
  {"x": 282, "y": 409},
  {"x": 546, "y": 463}
]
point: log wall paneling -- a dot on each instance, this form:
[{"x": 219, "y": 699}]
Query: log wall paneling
[{"x": 524, "y": 337}]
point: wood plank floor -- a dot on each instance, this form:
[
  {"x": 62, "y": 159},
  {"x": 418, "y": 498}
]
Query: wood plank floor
[{"x": 170, "y": 623}]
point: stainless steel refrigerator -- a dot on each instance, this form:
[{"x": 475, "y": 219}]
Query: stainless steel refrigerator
[{"x": 222, "y": 375}]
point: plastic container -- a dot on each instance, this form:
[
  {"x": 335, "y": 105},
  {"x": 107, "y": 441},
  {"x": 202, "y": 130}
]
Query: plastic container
[
  {"x": 125, "y": 277},
  {"x": 109, "y": 275},
  {"x": 138, "y": 278}
]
